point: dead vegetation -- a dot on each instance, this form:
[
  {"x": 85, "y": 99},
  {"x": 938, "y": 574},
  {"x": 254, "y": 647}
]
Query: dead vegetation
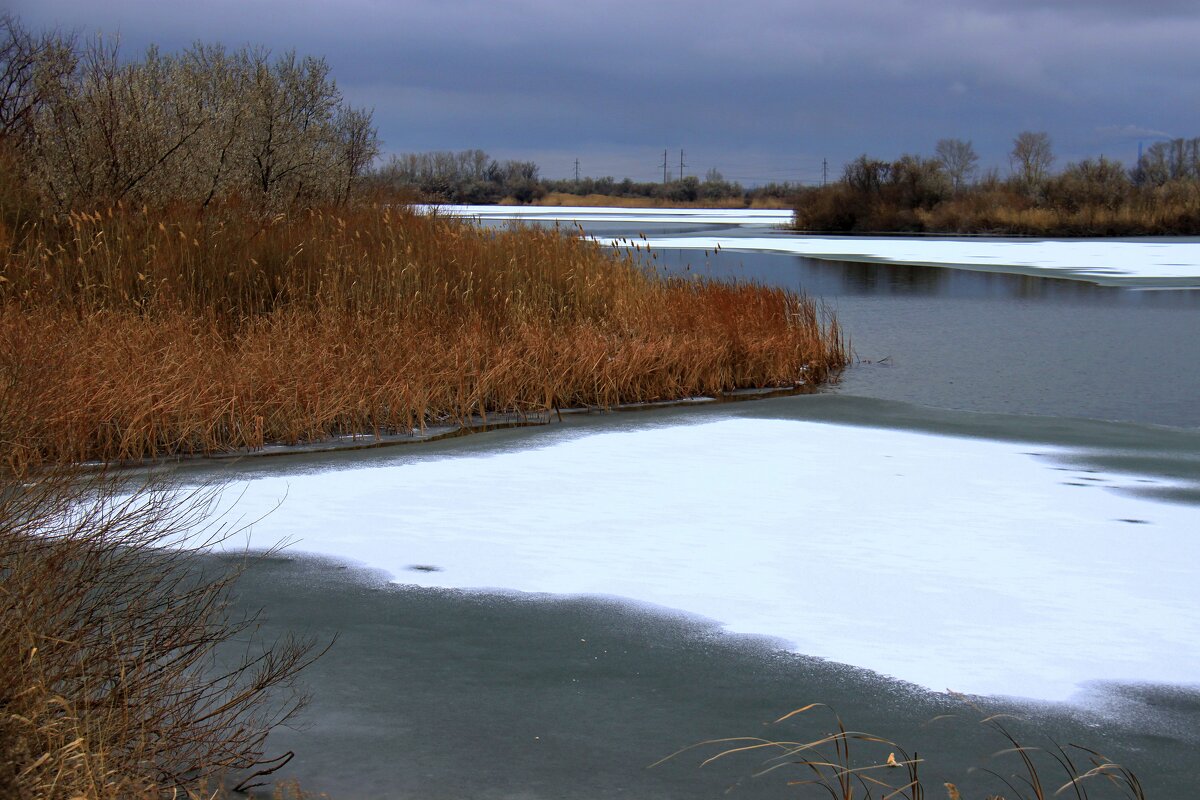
[
  {"x": 112, "y": 679},
  {"x": 844, "y": 764},
  {"x": 1094, "y": 197}
]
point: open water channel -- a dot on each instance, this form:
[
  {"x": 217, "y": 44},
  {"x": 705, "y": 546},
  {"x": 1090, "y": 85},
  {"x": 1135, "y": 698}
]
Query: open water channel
[{"x": 1001, "y": 498}]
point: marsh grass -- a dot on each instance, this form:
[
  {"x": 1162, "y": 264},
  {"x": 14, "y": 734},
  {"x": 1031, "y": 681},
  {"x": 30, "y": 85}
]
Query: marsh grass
[
  {"x": 845, "y": 764},
  {"x": 1159, "y": 211},
  {"x": 132, "y": 333},
  {"x": 113, "y": 682}
]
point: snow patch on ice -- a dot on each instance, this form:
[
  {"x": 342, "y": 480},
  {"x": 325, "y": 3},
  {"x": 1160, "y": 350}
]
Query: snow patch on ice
[
  {"x": 949, "y": 562},
  {"x": 586, "y": 214}
]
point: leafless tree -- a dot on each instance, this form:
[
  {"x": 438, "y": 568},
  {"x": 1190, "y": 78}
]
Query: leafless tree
[
  {"x": 958, "y": 159},
  {"x": 217, "y": 83},
  {"x": 293, "y": 103},
  {"x": 358, "y": 143},
  {"x": 1031, "y": 158},
  {"x": 1098, "y": 183},
  {"x": 29, "y": 66},
  {"x": 916, "y": 182},
  {"x": 96, "y": 127},
  {"x": 1178, "y": 159}
]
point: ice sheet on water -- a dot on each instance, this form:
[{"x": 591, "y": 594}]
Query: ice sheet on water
[
  {"x": 950, "y": 562},
  {"x": 1093, "y": 259},
  {"x": 1075, "y": 258}
]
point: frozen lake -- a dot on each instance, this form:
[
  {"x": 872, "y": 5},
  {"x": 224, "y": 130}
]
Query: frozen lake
[{"x": 1003, "y": 502}]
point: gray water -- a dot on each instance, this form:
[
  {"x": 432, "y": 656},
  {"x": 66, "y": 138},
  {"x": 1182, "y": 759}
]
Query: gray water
[
  {"x": 983, "y": 341},
  {"x": 440, "y": 694}
]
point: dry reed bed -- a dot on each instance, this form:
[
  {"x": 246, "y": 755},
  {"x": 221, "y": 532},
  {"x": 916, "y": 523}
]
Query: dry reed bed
[
  {"x": 128, "y": 334},
  {"x": 1171, "y": 216},
  {"x": 1168, "y": 210}
]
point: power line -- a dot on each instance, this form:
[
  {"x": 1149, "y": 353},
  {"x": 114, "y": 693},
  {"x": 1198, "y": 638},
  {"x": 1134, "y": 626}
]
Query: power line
[
  {"x": 664, "y": 167},
  {"x": 681, "y": 164}
]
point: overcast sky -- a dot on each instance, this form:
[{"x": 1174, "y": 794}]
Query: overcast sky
[{"x": 761, "y": 90}]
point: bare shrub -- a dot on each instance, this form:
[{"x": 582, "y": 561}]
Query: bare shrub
[{"x": 110, "y": 680}]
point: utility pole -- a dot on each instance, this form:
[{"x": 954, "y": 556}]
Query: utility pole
[
  {"x": 681, "y": 164},
  {"x": 824, "y": 171},
  {"x": 577, "y": 170},
  {"x": 664, "y": 167}
]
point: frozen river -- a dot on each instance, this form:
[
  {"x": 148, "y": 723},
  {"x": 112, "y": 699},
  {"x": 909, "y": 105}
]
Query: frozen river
[
  {"x": 1003, "y": 502},
  {"x": 1149, "y": 262}
]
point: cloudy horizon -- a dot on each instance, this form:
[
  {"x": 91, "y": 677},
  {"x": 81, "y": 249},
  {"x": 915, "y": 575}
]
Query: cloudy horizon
[{"x": 763, "y": 92}]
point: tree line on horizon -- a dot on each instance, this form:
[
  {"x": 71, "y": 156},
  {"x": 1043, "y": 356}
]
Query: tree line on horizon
[
  {"x": 948, "y": 193},
  {"x": 474, "y": 177},
  {"x": 81, "y": 125}
]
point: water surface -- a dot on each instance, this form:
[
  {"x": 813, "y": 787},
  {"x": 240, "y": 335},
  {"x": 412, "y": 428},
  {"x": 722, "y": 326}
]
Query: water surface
[
  {"x": 445, "y": 693},
  {"x": 984, "y": 341}
]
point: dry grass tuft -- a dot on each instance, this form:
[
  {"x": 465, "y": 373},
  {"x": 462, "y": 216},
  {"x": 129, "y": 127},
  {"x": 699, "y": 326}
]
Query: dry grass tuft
[
  {"x": 128, "y": 333},
  {"x": 847, "y": 764}
]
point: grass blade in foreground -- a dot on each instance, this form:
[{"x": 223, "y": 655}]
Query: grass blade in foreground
[{"x": 880, "y": 768}]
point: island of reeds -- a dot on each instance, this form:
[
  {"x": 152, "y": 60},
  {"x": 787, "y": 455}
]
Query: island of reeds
[{"x": 131, "y": 332}]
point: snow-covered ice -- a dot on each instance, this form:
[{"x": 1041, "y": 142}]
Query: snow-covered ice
[
  {"x": 949, "y": 562},
  {"x": 585, "y": 214},
  {"x": 1096, "y": 260}
]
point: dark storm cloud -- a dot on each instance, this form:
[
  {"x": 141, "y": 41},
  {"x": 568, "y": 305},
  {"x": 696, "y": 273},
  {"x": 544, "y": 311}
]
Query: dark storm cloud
[{"x": 763, "y": 90}]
